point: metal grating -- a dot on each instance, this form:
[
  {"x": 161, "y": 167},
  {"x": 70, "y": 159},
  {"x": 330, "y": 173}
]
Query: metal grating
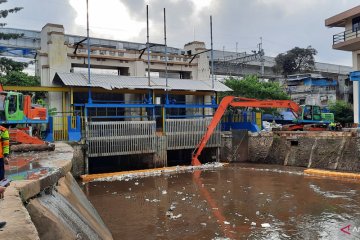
[
  {"x": 187, "y": 133},
  {"x": 120, "y": 138}
]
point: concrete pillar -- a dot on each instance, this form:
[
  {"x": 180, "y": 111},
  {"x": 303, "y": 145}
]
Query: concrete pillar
[
  {"x": 53, "y": 54},
  {"x": 202, "y": 72}
]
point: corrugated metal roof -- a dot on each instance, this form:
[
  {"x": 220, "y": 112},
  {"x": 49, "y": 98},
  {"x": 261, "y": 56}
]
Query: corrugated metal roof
[{"x": 110, "y": 82}]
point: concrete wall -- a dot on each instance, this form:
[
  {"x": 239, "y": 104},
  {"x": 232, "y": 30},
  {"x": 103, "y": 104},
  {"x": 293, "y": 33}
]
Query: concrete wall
[
  {"x": 51, "y": 207},
  {"x": 326, "y": 150}
]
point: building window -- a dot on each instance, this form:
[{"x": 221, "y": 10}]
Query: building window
[{"x": 356, "y": 24}]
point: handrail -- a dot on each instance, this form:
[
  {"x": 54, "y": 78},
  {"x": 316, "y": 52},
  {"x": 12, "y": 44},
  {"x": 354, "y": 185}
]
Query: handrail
[{"x": 346, "y": 35}]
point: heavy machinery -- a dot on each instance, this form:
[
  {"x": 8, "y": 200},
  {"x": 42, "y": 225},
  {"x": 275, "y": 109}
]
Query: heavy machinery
[
  {"x": 307, "y": 115},
  {"x": 16, "y": 108}
]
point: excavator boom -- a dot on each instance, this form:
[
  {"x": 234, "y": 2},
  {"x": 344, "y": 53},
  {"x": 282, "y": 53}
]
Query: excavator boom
[{"x": 239, "y": 102}]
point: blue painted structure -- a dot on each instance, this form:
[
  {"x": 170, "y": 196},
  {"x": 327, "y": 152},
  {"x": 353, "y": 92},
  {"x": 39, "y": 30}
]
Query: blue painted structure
[
  {"x": 74, "y": 134},
  {"x": 355, "y": 76},
  {"x": 321, "y": 82},
  {"x": 246, "y": 121}
]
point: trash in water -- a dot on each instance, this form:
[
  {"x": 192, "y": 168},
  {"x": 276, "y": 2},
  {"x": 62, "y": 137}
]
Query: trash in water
[
  {"x": 171, "y": 215},
  {"x": 164, "y": 192},
  {"x": 227, "y": 223},
  {"x": 265, "y": 225},
  {"x": 253, "y": 224}
]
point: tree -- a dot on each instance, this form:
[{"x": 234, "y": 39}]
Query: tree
[
  {"x": 3, "y": 14},
  {"x": 296, "y": 60},
  {"x": 7, "y": 65},
  {"x": 343, "y": 112},
  {"x": 16, "y": 78},
  {"x": 252, "y": 87}
]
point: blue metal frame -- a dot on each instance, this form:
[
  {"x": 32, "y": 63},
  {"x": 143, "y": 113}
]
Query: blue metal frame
[
  {"x": 355, "y": 76},
  {"x": 190, "y": 105},
  {"x": 24, "y": 121}
]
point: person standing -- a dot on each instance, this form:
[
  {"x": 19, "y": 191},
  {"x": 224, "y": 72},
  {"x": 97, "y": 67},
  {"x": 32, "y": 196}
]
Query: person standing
[{"x": 4, "y": 150}]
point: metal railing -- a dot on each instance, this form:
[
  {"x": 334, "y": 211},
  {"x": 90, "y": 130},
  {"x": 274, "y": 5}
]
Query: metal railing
[
  {"x": 187, "y": 133},
  {"x": 346, "y": 35},
  {"x": 120, "y": 138}
]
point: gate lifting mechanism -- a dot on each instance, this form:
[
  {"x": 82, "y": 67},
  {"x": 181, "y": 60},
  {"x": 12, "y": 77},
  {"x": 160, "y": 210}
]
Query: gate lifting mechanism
[{"x": 305, "y": 115}]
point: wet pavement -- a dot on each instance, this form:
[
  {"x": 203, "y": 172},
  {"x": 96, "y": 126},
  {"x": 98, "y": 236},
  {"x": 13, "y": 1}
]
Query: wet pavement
[
  {"x": 25, "y": 166},
  {"x": 235, "y": 202}
]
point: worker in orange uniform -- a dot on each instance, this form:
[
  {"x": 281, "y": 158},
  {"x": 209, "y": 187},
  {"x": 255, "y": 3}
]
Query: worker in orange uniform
[{"x": 4, "y": 150}]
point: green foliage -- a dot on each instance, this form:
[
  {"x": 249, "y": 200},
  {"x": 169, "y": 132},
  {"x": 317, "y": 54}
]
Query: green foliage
[
  {"x": 252, "y": 87},
  {"x": 343, "y": 111},
  {"x": 3, "y": 14},
  {"x": 8, "y": 65},
  {"x": 296, "y": 60},
  {"x": 16, "y": 78},
  {"x": 51, "y": 111}
]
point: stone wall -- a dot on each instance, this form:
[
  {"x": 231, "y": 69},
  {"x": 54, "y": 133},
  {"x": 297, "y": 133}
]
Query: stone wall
[{"x": 326, "y": 150}]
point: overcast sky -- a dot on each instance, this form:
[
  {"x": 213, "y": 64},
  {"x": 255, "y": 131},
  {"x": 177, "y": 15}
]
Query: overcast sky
[{"x": 283, "y": 24}]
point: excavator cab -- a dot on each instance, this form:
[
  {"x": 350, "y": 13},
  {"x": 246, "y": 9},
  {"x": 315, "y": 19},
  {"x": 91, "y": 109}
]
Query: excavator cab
[
  {"x": 14, "y": 106},
  {"x": 2, "y": 106},
  {"x": 310, "y": 113},
  {"x": 314, "y": 113}
]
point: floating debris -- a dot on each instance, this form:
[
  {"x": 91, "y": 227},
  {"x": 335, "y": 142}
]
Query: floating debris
[
  {"x": 265, "y": 225},
  {"x": 253, "y": 224}
]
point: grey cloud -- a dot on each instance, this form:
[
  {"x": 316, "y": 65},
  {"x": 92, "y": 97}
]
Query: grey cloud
[{"x": 242, "y": 21}]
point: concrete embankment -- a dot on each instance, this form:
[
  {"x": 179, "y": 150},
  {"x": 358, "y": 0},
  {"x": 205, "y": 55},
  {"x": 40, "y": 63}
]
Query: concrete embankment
[
  {"x": 51, "y": 207},
  {"x": 326, "y": 150}
]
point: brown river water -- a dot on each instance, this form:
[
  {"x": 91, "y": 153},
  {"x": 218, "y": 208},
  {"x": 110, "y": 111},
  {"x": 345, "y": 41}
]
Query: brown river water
[{"x": 234, "y": 202}]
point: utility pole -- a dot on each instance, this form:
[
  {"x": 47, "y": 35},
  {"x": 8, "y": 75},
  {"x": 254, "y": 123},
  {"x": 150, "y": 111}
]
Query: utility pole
[
  {"x": 166, "y": 59},
  {"x": 212, "y": 55},
  {"x": 262, "y": 60},
  {"x": 148, "y": 43},
  {"x": 88, "y": 50},
  {"x": 236, "y": 48}
]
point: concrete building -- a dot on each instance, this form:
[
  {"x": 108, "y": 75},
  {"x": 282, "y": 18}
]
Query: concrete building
[
  {"x": 312, "y": 89},
  {"x": 56, "y": 51},
  {"x": 349, "y": 40}
]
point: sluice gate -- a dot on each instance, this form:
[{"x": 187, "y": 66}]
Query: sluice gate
[
  {"x": 139, "y": 138},
  {"x": 120, "y": 138},
  {"x": 187, "y": 133}
]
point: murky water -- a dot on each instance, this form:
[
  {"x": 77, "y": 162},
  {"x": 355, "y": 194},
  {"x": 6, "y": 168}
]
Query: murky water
[{"x": 236, "y": 202}]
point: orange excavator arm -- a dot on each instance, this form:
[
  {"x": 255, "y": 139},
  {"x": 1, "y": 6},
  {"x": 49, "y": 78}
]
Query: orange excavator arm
[{"x": 239, "y": 102}]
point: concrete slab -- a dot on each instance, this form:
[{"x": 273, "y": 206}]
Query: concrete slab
[
  {"x": 18, "y": 221},
  {"x": 49, "y": 168}
]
